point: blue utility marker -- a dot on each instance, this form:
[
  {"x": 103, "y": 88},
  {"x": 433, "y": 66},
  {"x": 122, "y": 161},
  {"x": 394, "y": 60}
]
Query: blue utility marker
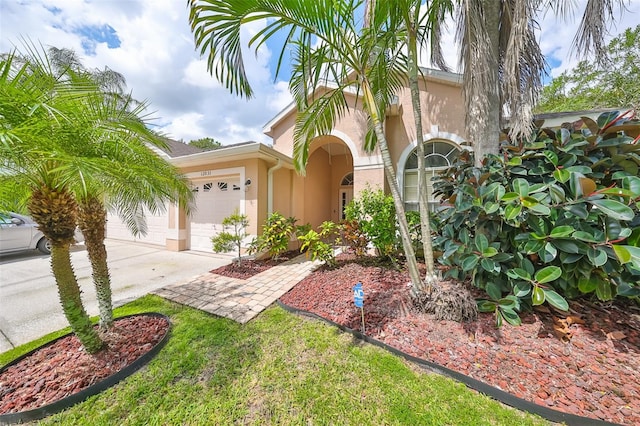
[{"x": 358, "y": 295}]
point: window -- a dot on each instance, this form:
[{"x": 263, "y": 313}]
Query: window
[
  {"x": 222, "y": 186},
  {"x": 438, "y": 156},
  {"x": 207, "y": 187},
  {"x": 347, "y": 180}
]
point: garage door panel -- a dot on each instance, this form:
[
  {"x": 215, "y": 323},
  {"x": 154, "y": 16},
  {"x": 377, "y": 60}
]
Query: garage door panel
[
  {"x": 215, "y": 200},
  {"x": 157, "y": 225}
]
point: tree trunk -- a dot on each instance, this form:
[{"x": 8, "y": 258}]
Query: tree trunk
[
  {"x": 423, "y": 197},
  {"x": 488, "y": 136},
  {"x": 92, "y": 220},
  {"x": 481, "y": 77},
  {"x": 390, "y": 173},
  {"x": 69, "y": 293},
  {"x": 55, "y": 210}
]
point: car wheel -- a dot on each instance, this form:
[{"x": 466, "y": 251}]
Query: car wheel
[{"x": 44, "y": 246}]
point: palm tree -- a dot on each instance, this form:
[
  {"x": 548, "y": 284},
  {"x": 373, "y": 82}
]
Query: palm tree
[
  {"x": 415, "y": 22},
  {"x": 97, "y": 143},
  {"x": 503, "y": 63},
  {"x": 133, "y": 178},
  {"x": 329, "y": 45},
  {"x": 34, "y": 105}
]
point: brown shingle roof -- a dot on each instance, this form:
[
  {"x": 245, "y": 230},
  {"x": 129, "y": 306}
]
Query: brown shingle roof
[{"x": 178, "y": 149}]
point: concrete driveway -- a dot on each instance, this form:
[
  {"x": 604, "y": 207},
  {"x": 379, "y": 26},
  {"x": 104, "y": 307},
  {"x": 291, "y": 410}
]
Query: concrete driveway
[{"x": 29, "y": 304}]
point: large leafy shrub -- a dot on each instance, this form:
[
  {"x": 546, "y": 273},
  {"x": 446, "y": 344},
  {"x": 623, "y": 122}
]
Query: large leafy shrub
[{"x": 550, "y": 220}]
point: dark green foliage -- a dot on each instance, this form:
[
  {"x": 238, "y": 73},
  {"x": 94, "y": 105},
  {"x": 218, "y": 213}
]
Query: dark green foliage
[
  {"x": 554, "y": 219},
  {"x": 227, "y": 241},
  {"x": 208, "y": 144},
  {"x": 592, "y": 85},
  {"x": 376, "y": 215},
  {"x": 276, "y": 234}
]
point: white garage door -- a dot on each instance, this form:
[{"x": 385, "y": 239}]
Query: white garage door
[
  {"x": 215, "y": 200},
  {"x": 156, "y": 229}
]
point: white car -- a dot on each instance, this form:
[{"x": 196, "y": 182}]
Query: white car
[{"x": 19, "y": 232}]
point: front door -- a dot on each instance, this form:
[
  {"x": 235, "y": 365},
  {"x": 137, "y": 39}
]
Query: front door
[{"x": 345, "y": 197}]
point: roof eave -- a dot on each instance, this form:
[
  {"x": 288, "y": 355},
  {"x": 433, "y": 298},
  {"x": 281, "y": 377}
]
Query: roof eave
[{"x": 236, "y": 153}]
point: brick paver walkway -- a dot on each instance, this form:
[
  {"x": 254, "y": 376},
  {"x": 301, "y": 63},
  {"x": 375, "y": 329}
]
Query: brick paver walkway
[{"x": 239, "y": 300}]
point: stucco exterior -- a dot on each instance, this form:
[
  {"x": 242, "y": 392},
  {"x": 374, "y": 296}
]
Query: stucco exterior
[
  {"x": 333, "y": 156},
  {"x": 261, "y": 179}
]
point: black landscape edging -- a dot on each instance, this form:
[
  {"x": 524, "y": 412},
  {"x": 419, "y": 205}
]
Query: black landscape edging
[
  {"x": 64, "y": 403},
  {"x": 495, "y": 393}
]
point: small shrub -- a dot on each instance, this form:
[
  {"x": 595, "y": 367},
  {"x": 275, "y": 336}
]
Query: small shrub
[
  {"x": 316, "y": 243},
  {"x": 375, "y": 214},
  {"x": 354, "y": 237},
  {"x": 227, "y": 241},
  {"x": 302, "y": 230},
  {"x": 552, "y": 219},
  {"x": 276, "y": 234}
]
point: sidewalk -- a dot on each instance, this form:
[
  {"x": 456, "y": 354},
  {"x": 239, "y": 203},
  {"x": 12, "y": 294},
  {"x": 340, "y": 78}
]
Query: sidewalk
[{"x": 239, "y": 300}]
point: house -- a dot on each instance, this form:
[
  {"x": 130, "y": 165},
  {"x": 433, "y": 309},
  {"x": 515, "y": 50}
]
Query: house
[{"x": 258, "y": 179}]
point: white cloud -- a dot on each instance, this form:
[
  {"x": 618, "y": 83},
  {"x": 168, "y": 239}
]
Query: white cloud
[
  {"x": 187, "y": 125},
  {"x": 555, "y": 37},
  {"x": 281, "y": 97},
  {"x": 196, "y": 74},
  {"x": 158, "y": 58}
]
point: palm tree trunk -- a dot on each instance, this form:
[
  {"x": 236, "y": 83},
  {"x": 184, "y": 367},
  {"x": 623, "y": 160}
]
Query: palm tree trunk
[
  {"x": 488, "y": 121},
  {"x": 480, "y": 26},
  {"x": 92, "y": 220},
  {"x": 390, "y": 173},
  {"x": 69, "y": 293},
  {"x": 405, "y": 236},
  {"x": 55, "y": 211},
  {"x": 423, "y": 200}
]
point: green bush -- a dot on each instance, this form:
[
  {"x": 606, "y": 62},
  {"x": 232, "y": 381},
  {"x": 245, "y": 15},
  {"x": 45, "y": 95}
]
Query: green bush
[
  {"x": 317, "y": 244},
  {"x": 376, "y": 215},
  {"x": 227, "y": 241},
  {"x": 276, "y": 234},
  {"x": 554, "y": 219}
]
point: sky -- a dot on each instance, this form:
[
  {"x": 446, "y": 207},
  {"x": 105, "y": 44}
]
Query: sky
[{"x": 150, "y": 43}]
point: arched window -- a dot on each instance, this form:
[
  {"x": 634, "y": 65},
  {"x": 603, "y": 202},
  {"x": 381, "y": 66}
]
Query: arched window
[
  {"x": 438, "y": 155},
  {"x": 347, "y": 180}
]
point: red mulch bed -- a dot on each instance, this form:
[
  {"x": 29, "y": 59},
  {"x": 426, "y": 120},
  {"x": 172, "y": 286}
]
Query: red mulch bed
[
  {"x": 250, "y": 267},
  {"x": 64, "y": 368},
  {"x": 594, "y": 373}
]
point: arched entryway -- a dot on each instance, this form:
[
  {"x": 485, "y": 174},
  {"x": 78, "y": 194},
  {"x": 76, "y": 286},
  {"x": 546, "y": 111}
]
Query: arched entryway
[{"x": 329, "y": 180}]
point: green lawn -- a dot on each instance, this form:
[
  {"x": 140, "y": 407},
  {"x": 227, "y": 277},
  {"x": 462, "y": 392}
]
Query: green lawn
[{"x": 277, "y": 369}]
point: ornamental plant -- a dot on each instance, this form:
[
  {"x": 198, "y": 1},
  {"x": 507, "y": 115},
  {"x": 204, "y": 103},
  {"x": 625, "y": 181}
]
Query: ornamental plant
[
  {"x": 233, "y": 235},
  {"x": 319, "y": 245},
  {"x": 376, "y": 217},
  {"x": 354, "y": 237},
  {"x": 552, "y": 219},
  {"x": 277, "y": 231}
]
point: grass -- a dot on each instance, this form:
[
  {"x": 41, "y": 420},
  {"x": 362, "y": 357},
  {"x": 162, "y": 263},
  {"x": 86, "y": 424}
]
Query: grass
[{"x": 277, "y": 369}]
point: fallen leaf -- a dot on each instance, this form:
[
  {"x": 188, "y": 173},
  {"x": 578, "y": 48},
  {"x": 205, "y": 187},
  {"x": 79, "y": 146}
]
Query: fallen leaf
[
  {"x": 573, "y": 319},
  {"x": 616, "y": 335}
]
